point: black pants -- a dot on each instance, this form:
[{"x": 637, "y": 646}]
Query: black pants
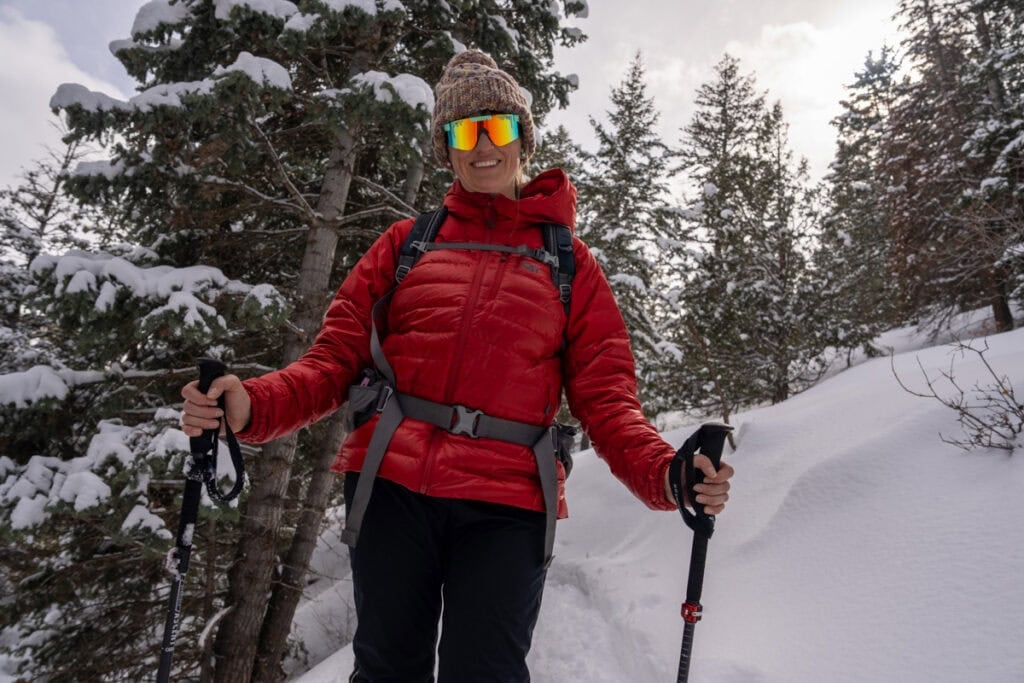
[{"x": 483, "y": 562}]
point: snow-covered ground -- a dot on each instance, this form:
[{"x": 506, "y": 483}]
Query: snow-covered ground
[{"x": 857, "y": 547}]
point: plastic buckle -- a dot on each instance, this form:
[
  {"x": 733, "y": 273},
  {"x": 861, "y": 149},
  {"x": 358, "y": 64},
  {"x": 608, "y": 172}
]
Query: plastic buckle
[
  {"x": 466, "y": 421},
  {"x": 385, "y": 396}
]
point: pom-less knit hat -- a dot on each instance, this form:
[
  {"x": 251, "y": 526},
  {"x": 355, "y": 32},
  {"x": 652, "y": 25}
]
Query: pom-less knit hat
[{"x": 472, "y": 84}]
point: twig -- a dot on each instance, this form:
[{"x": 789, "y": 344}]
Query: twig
[
  {"x": 311, "y": 214},
  {"x": 389, "y": 194}
]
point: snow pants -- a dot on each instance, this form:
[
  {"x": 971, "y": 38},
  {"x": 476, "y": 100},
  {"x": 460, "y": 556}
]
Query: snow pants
[{"x": 477, "y": 567}]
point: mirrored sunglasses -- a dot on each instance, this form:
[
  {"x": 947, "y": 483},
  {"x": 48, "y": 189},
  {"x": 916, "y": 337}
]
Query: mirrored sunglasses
[{"x": 464, "y": 133}]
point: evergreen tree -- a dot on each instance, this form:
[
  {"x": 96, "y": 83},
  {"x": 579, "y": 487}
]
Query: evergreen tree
[
  {"x": 995, "y": 137},
  {"x": 556, "y": 149},
  {"x": 853, "y": 259},
  {"x": 750, "y": 326},
  {"x": 785, "y": 319},
  {"x": 719, "y": 159},
  {"x": 625, "y": 218},
  {"x": 271, "y": 141},
  {"x": 951, "y": 203}
]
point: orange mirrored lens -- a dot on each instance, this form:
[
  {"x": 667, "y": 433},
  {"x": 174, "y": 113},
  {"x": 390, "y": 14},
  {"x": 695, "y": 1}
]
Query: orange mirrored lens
[{"x": 464, "y": 133}]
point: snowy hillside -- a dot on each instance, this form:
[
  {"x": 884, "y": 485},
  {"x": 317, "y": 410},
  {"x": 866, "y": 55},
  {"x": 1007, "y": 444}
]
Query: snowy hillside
[{"x": 857, "y": 547}]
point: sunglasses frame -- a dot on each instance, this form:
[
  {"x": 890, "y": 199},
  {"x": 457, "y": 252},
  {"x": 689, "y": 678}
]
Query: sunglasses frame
[{"x": 514, "y": 118}]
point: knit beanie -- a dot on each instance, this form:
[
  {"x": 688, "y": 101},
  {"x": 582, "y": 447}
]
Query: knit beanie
[{"x": 472, "y": 84}]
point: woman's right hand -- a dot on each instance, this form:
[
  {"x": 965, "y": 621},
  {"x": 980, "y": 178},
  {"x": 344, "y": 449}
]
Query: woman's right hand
[{"x": 200, "y": 411}]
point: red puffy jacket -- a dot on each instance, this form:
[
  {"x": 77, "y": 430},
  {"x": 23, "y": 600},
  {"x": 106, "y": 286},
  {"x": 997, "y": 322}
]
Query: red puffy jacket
[{"x": 485, "y": 330}]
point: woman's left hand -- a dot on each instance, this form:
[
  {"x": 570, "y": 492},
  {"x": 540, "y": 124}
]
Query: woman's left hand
[{"x": 714, "y": 491}]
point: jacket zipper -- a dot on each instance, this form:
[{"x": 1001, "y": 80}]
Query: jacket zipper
[
  {"x": 467, "y": 317},
  {"x": 453, "y": 372}
]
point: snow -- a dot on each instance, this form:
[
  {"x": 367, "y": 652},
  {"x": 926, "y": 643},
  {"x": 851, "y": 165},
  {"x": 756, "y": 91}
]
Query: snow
[
  {"x": 140, "y": 517},
  {"x": 367, "y": 6},
  {"x": 412, "y": 90},
  {"x": 69, "y": 94},
  {"x": 28, "y": 512},
  {"x": 178, "y": 289},
  {"x": 260, "y": 70},
  {"x": 857, "y": 546},
  {"x": 301, "y": 23},
  {"x": 84, "y": 490},
  {"x": 106, "y": 168},
  {"x": 276, "y": 8},
  {"x": 157, "y": 12},
  {"x": 35, "y": 384}
]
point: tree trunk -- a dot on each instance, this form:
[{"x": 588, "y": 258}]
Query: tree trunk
[
  {"x": 210, "y": 590},
  {"x": 287, "y": 592},
  {"x": 414, "y": 173},
  {"x": 249, "y": 577},
  {"x": 1001, "y": 312}
]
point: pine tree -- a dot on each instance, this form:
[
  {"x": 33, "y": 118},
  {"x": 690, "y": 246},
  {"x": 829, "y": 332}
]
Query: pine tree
[
  {"x": 556, "y": 149},
  {"x": 784, "y": 315},
  {"x": 853, "y": 259},
  {"x": 75, "y": 485},
  {"x": 995, "y": 137},
  {"x": 947, "y": 201},
  {"x": 625, "y": 217},
  {"x": 750, "y": 326},
  {"x": 718, "y": 157}
]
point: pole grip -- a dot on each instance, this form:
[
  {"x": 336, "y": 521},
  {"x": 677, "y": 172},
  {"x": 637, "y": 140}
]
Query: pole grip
[
  {"x": 709, "y": 440},
  {"x": 209, "y": 370}
]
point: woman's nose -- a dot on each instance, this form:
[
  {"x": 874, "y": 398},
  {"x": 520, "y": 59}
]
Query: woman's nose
[{"x": 480, "y": 140}]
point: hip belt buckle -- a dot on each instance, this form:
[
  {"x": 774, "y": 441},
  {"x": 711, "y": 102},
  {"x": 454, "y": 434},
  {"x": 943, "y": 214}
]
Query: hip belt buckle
[{"x": 466, "y": 421}]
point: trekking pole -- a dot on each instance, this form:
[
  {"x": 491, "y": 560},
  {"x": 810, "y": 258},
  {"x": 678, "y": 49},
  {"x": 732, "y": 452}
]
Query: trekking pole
[
  {"x": 202, "y": 470},
  {"x": 709, "y": 440}
]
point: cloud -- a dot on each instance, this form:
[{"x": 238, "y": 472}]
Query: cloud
[
  {"x": 807, "y": 69},
  {"x": 32, "y": 64}
]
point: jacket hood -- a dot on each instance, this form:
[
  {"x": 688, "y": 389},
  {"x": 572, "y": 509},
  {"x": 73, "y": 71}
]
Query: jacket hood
[{"x": 549, "y": 197}]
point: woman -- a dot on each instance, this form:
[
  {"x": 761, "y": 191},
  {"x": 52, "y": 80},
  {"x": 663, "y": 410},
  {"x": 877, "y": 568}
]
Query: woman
[{"x": 456, "y": 524}]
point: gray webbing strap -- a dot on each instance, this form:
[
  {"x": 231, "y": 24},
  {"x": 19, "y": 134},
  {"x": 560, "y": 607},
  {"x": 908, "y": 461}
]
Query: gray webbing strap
[
  {"x": 376, "y": 352},
  {"x": 538, "y": 254},
  {"x": 544, "y": 452},
  {"x": 390, "y": 417},
  {"x": 473, "y": 423}
]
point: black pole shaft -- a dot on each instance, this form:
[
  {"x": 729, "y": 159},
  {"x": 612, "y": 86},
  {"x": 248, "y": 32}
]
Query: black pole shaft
[
  {"x": 694, "y": 589},
  {"x": 684, "y": 653},
  {"x": 183, "y": 552}
]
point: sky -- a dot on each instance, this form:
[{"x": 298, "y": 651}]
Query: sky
[{"x": 801, "y": 52}]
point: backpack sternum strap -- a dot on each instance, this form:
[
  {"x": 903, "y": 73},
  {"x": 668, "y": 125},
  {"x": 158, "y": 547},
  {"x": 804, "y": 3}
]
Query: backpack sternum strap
[{"x": 537, "y": 254}]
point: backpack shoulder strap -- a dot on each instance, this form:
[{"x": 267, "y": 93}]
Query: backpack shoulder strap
[
  {"x": 558, "y": 241},
  {"x": 424, "y": 231}
]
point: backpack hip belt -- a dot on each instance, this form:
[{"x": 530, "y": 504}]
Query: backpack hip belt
[{"x": 394, "y": 407}]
